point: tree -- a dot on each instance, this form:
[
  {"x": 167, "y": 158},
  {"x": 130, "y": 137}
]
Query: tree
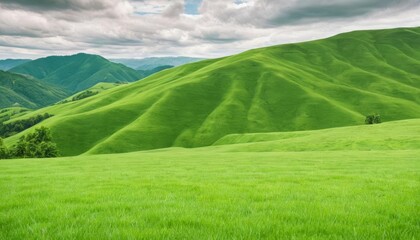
[
  {"x": 19, "y": 150},
  {"x": 4, "y": 152},
  {"x": 373, "y": 119},
  {"x": 377, "y": 119},
  {"x": 47, "y": 150},
  {"x": 41, "y": 134},
  {"x": 38, "y": 144}
]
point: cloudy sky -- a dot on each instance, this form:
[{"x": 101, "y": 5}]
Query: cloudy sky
[{"x": 200, "y": 28}]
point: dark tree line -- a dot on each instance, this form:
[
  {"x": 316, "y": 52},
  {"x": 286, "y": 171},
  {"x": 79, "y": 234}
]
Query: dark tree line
[
  {"x": 38, "y": 144},
  {"x": 80, "y": 96},
  {"x": 83, "y": 95},
  {"x": 9, "y": 129}
]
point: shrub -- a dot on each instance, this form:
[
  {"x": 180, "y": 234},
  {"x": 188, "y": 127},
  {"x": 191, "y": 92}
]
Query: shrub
[{"x": 373, "y": 119}]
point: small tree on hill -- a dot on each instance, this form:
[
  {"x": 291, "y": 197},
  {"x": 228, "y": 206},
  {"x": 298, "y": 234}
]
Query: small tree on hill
[{"x": 373, "y": 119}]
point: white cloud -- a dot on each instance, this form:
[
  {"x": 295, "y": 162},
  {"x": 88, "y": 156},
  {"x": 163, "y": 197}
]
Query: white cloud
[{"x": 150, "y": 7}]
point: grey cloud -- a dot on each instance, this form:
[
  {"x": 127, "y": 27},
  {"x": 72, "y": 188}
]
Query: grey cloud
[
  {"x": 174, "y": 10},
  {"x": 23, "y": 32},
  {"x": 223, "y": 34},
  {"x": 45, "y": 44},
  {"x": 269, "y": 13},
  {"x": 216, "y": 37},
  {"x": 58, "y": 4},
  {"x": 310, "y": 10}
]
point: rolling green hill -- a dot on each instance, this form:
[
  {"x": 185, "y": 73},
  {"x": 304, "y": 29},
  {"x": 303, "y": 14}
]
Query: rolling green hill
[
  {"x": 395, "y": 135},
  {"x": 13, "y": 112},
  {"x": 16, "y": 89},
  {"x": 99, "y": 87},
  {"x": 306, "y": 86},
  {"x": 77, "y": 72}
]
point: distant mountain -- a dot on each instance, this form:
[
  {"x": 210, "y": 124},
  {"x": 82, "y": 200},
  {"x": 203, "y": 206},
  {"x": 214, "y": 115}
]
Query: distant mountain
[
  {"x": 18, "y": 90},
  {"x": 154, "y": 62},
  {"x": 77, "y": 72},
  {"x": 7, "y": 64},
  {"x": 146, "y": 73}
]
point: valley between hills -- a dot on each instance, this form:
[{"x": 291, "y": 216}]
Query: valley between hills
[{"x": 269, "y": 143}]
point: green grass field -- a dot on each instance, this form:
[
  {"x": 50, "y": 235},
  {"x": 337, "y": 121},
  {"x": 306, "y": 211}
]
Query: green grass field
[
  {"x": 201, "y": 194},
  {"x": 234, "y": 191}
]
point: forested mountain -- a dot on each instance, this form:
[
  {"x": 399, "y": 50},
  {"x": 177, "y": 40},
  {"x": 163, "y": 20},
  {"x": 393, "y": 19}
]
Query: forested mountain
[{"x": 77, "y": 72}]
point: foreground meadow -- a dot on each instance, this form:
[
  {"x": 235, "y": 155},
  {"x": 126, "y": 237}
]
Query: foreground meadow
[{"x": 211, "y": 194}]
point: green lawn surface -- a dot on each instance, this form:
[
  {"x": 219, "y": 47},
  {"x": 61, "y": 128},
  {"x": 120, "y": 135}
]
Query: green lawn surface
[{"x": 210, "y": 194}]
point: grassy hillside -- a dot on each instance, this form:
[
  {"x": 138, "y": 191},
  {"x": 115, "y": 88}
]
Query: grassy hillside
[
  {"x": 203, "y": 194},
  {"x": 397, "y": 135},
  {"x": 314, "y": 85},
  {"x": 7, "y": 64},
  {"x": 7, "y": 114},
  {"x": 27, "y": 92},
  {"x": 99, "y": 87},
  {"x": 102, "y": 86},
  {"x": 77, "y": 72}
]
